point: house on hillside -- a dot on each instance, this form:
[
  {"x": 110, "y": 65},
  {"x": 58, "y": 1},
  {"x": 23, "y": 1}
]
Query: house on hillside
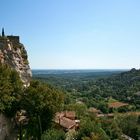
[
  {"x": 70, "y": 114},
  {"x": 67, "y": 120},
  {"x": 117, "y": 105},
  {"x": 94, "y": 110}
]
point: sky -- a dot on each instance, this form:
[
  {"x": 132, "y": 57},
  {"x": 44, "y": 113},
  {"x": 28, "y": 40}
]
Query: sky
[{"x": 75, "y": 34}]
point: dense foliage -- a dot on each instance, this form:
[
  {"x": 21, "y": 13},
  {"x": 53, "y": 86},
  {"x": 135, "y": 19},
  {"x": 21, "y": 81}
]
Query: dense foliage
[
  {"x": 40, "y": 101},
  {"x": 53, "y": 134},
  {"x": 10, "y": 88},
  {"x": 95, "y": 88},
  {"x": 86, "y": 90}
]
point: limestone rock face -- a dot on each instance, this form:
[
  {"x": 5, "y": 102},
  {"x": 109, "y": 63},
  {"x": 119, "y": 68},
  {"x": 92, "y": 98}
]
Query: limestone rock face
[{"x": 13, "y": 53}]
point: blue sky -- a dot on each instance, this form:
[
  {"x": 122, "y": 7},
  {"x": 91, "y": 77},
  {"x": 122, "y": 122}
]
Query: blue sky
[{"x": 76, "y": 34}]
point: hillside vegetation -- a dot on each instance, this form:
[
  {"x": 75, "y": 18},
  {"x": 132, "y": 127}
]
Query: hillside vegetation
[
  {"x": 34, "y": 108},
  {"x": 122, "y": 86},
  {"x": 99, "y": 91}
]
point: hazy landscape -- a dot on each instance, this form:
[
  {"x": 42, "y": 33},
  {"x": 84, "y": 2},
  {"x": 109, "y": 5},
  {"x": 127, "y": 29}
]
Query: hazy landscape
[
  {"x": 105, "y": 94},
  {"x": 70, "y": 70}
]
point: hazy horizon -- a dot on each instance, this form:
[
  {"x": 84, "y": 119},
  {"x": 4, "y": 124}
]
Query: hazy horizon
[{"x": 81, "y": 69}]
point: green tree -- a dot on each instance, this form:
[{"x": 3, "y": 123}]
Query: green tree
[
  {"x": 129, "y": 125},
  {"x": 10, "y": 89},
  {"x": 115, "y": 131},
  {"x": 41, "y": 102},
  {"x": 80, "y": 109},
  {"x": 54, "y": 134}
]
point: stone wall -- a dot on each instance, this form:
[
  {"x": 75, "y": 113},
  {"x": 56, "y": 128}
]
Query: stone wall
[{"x": 14, "y": 39}]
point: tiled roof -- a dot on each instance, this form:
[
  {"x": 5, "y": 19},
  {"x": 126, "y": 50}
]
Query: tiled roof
[
  {"x": 70, "y": 114},
  {"x": 67, "y": 123},
  {"x": 66, "y": 119},
  {"x": 117, "y": 104}
]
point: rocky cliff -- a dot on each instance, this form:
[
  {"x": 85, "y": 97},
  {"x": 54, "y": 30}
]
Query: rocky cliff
[{"x": 13, "y": 53}]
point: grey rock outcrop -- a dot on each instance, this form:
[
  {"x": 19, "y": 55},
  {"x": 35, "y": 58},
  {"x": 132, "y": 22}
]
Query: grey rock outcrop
[
  {"x": 7, "y": 128},
  {"x": 13, "y": 53}
]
